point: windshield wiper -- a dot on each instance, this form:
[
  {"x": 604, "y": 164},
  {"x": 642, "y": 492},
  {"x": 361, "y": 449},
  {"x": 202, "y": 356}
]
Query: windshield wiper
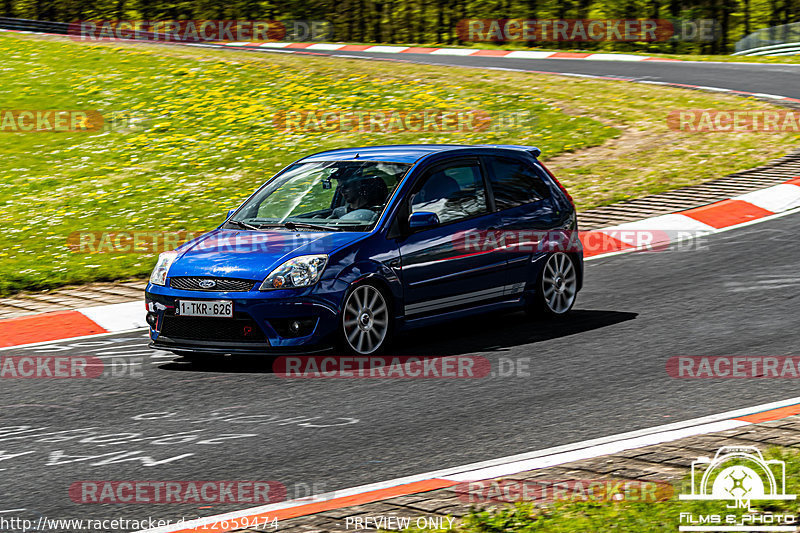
[
  {"x": 291, "y": 225},
  {"x": 295, "y": 225},
  {"x": 242, "y": 224}
]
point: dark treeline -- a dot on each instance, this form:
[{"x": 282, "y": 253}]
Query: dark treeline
[{"x": 434, "y": 21}]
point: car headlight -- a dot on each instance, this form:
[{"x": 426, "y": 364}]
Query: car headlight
[
  {"x": 165, "y": 260},
  {"x": 301, "y": 271}
]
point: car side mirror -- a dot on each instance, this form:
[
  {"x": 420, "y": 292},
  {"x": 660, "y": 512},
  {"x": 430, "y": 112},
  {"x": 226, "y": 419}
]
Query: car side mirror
[
  {"x": 230, "y": 212},
  {"x": 422, "y": 220}
]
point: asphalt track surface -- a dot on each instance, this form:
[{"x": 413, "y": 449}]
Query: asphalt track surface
[
  {"x": 776, "y": 79},
  {"x": 600, "y": 372}
]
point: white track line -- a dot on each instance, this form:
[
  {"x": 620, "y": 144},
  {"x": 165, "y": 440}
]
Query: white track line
[
  {"x": 69, "y": 339},
  {"x": 504, "y": 466},
  {"x": 522, "y": 54},
  {"x": 386, "y": 49},
  {"x": 117, "y": 317},
  {"x": 697, "y": 234},
  {"x": 454, "y": 52},
  {"x": 777, "y": 199},
  {"x": 323, "y": 46},
  {"x": 593, "y": 451},
  {"x": 613, "y": 57},
  {"x": 622, "y": 78}
]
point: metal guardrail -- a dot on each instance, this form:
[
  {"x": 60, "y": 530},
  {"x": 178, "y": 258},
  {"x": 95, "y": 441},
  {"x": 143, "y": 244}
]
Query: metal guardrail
[
  {"x": 34, "y": 25},
  {"x": 786, "y": 49},
  {"x": 65, "y": 28},
  {"x": 760, "y": 40}
]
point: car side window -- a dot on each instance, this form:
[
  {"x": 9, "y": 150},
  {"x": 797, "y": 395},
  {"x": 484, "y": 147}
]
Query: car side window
[
  {"x": 453, "y": 192},
  {"x": 515, "y": 183}
]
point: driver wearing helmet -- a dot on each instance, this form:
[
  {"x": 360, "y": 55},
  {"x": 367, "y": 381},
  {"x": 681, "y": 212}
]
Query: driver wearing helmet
[{"x": 363, "y": 197}]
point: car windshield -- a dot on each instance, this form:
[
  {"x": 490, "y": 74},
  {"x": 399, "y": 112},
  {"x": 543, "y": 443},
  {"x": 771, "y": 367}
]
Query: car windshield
[{"x": 329, "y": 195}]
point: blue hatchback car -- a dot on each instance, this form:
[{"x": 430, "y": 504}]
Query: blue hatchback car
[{"x": 347, "y": 247}]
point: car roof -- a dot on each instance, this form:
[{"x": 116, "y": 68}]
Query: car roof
[{"x": 406, "y": 153}]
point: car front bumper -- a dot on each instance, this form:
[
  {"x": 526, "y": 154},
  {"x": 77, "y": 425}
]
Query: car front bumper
[{"x": 267, "y": 322}]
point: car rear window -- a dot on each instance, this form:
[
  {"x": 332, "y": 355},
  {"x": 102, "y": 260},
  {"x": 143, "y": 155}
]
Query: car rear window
[{"x": 515, "y": 183}]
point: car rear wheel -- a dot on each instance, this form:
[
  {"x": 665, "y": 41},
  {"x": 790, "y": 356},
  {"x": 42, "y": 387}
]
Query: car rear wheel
[
  {"x": 365, "y": 323},
  {"x": 557, "y": 287}
]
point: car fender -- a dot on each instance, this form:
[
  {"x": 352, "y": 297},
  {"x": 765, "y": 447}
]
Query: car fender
[{"x": 375, "y": 272}]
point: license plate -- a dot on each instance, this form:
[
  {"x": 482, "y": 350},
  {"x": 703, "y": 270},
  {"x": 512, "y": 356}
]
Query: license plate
[{"x": 215, "y": 308}]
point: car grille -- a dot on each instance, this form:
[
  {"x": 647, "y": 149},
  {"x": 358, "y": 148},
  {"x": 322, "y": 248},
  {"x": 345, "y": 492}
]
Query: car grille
[
  {"x": 220, "y": 284},
  {"x": 212, "y": 329}
]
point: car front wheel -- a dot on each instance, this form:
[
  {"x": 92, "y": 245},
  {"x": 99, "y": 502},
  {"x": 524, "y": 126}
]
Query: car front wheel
[{"x": 365, "y": 322}]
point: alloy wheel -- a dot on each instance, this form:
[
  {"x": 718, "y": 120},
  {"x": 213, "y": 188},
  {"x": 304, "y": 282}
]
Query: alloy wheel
[
  {"x": 559, "y": 283},
  {"x": 365, "y": 319}
]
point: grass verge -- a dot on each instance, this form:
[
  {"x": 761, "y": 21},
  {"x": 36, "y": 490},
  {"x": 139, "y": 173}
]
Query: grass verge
[
  {"x": 627, "y": 517},
  {"x": 197, "y": 138}
]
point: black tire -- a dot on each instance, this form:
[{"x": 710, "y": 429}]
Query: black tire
[
  {"x": 365, "y": 323},
  {"x": 556, "y": 287}
]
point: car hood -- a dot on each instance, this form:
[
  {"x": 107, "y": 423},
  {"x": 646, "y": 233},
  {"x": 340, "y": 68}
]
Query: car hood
[{"x": 251, "y": 254}]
